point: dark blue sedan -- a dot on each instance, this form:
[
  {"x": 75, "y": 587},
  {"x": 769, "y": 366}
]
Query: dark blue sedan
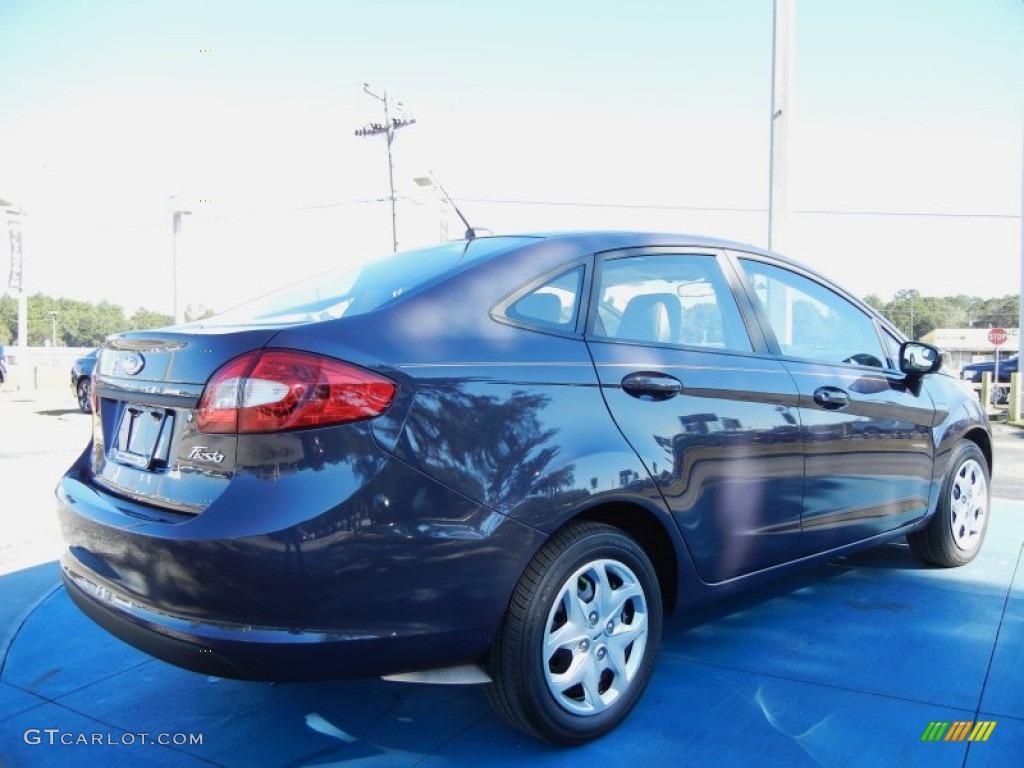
[
  {"x": 1007, "y": 365},
  {"x": 505, "y": 460}
]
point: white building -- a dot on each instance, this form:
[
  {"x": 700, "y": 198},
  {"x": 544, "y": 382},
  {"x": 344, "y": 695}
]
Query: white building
[{"x": 971, "y": 345}]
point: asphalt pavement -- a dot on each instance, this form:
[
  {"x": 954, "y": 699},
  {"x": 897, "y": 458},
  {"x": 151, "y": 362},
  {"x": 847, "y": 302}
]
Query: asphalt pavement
[{"x": 844, "y": 664}]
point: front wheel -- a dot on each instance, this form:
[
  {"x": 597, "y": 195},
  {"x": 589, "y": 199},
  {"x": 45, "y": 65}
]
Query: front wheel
[
  {"x": 954, "y": 534},
  {"x": 580, "y": 638}
]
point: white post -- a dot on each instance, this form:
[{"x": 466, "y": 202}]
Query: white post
[
  {"x": 179, "y": 313},
  {"x": 778, "y": 171},
  {"x": 23, "y": 294},
  {"x": 1015, "y": 392},
  {"x": 1014, "y": 399}
]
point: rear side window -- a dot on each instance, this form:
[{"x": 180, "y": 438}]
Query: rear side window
[
  {"x": 553, "y": 305},
  {"x": 673, "y": 299}
]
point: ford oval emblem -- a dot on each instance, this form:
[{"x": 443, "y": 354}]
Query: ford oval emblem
[{"x": 132, "y": 363}]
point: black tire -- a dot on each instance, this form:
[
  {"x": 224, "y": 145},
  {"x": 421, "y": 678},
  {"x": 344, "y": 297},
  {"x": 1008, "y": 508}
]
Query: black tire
[
  {"x": 956, "y": 531},
  {"x": 618, "y": 649},
  {"x": 84, "y": 390}
]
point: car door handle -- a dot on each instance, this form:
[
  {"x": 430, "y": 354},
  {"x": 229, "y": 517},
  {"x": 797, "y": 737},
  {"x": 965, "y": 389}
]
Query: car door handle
[
  {"x": 651, "y": 385},
  {"x": 831, "y": 398}
]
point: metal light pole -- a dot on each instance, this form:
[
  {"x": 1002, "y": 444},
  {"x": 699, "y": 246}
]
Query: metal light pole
[
  {"x": 1019, "y": 394},
  {"x": 176, "y": 214},
  {"x": 53, "y": 327},
  {"x": 442, "y": 213},
  {"x": 778, "y": 176},
  {"x": 388, "y": 130}
]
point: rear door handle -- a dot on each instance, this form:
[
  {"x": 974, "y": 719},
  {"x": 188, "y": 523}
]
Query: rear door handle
[
  {"x": 651, "y": 385},
  {"x": 832, "y": 398}
]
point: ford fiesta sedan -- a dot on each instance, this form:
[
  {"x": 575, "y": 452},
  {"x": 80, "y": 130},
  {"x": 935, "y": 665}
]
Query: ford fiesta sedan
[{"x": 506, "y": 460}]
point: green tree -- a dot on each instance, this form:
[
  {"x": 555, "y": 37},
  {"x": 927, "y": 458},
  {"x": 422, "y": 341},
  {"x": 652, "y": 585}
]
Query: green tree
[
  {"x": 873, "y": 300},
  {"x": 96, "y": 323},
  {"x": 917, "y": 315},
  {"x": 8, "y": 319},
  {"x": 998, "y": 312},
  {"x": 144, "y": 319},
  {"x": 197, "y": 312},
  {"x": 78, "y": 323}
]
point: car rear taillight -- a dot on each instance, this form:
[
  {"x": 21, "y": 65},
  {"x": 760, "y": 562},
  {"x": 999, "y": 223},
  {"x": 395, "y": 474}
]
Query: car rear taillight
[{"x": 278, "y": 389}]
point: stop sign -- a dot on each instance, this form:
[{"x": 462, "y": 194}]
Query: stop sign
[{"x": 997, "y": 336}]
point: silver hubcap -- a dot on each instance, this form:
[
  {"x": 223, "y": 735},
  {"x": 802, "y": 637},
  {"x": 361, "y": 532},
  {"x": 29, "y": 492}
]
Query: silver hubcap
[
  {"x": 595, "y": 638},
  {"x": 968, "y": 504}
]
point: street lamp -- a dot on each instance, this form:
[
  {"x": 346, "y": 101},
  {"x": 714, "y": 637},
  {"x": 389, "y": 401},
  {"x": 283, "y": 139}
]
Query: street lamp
[
  {"x": 387, "y": 129},
  {"x": 176, "y": 214},
  {"x": 430, "y": 180},
  {"x": 53, "y": 327},
  {"x": 427, "y": 182}
]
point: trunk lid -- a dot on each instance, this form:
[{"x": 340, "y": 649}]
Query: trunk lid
[{"x": 146, "y": 388}]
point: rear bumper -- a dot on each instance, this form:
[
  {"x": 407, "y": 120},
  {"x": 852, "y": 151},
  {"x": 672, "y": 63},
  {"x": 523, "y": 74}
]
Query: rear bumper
[
  {"x": 255, "y": 653},
  {"x": 401, "y": 575}
]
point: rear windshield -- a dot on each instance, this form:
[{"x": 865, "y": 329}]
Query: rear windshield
[{"x": 362, "y": 288}]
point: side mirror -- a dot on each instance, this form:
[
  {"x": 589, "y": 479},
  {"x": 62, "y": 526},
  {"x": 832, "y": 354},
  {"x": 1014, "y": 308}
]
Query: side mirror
[{"x": 917, "y": 358}]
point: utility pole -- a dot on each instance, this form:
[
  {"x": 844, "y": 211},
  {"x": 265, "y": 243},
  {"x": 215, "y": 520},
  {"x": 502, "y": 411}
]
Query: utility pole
[
  {"x": 778, "y": 154},
  {"x": 387, "y": 129}
]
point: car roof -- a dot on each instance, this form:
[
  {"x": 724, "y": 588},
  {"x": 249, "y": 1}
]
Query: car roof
[
  {"x": 625, "y": 238},
  {"x": 598, "y": 241},
  {"x": 609, "y": 240}
]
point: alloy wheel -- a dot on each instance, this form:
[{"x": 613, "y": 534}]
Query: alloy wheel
[
  {"x": 968, "y": 505},
  {"x": 595, "y": 638}
]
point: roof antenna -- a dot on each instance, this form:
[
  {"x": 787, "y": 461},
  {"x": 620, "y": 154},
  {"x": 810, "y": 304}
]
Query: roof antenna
[{"x": 430, "y": 180}]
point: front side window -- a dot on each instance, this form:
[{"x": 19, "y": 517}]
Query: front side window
[
  {"x": 812, "y": 322},
  {"x": 669, "y": 299}
]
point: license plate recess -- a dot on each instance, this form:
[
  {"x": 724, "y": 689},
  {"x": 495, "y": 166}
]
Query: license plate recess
[{"x": 140, "y": 436}]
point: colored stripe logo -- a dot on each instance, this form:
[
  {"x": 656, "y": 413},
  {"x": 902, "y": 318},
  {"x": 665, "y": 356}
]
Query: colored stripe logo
[{"x": 960, "y": 730}]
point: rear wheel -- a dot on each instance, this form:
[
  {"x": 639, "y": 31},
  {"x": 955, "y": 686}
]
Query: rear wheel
[
  {"x": 84, "y": 390},
  {"x": 581, "y": 636},
  {"x": 954, "y": 534}
]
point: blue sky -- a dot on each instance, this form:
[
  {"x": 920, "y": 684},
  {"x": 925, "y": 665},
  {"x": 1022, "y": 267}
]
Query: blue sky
[{"x": 535, "y": 115}]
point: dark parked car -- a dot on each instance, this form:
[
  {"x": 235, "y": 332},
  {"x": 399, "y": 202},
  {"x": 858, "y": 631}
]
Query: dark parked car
[
  {"x": 81, "y": 379},
  {"x": 973, "y": 373},
  {"x": 1007, "y": 365},
  {"x": 506, "y": 458}
]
